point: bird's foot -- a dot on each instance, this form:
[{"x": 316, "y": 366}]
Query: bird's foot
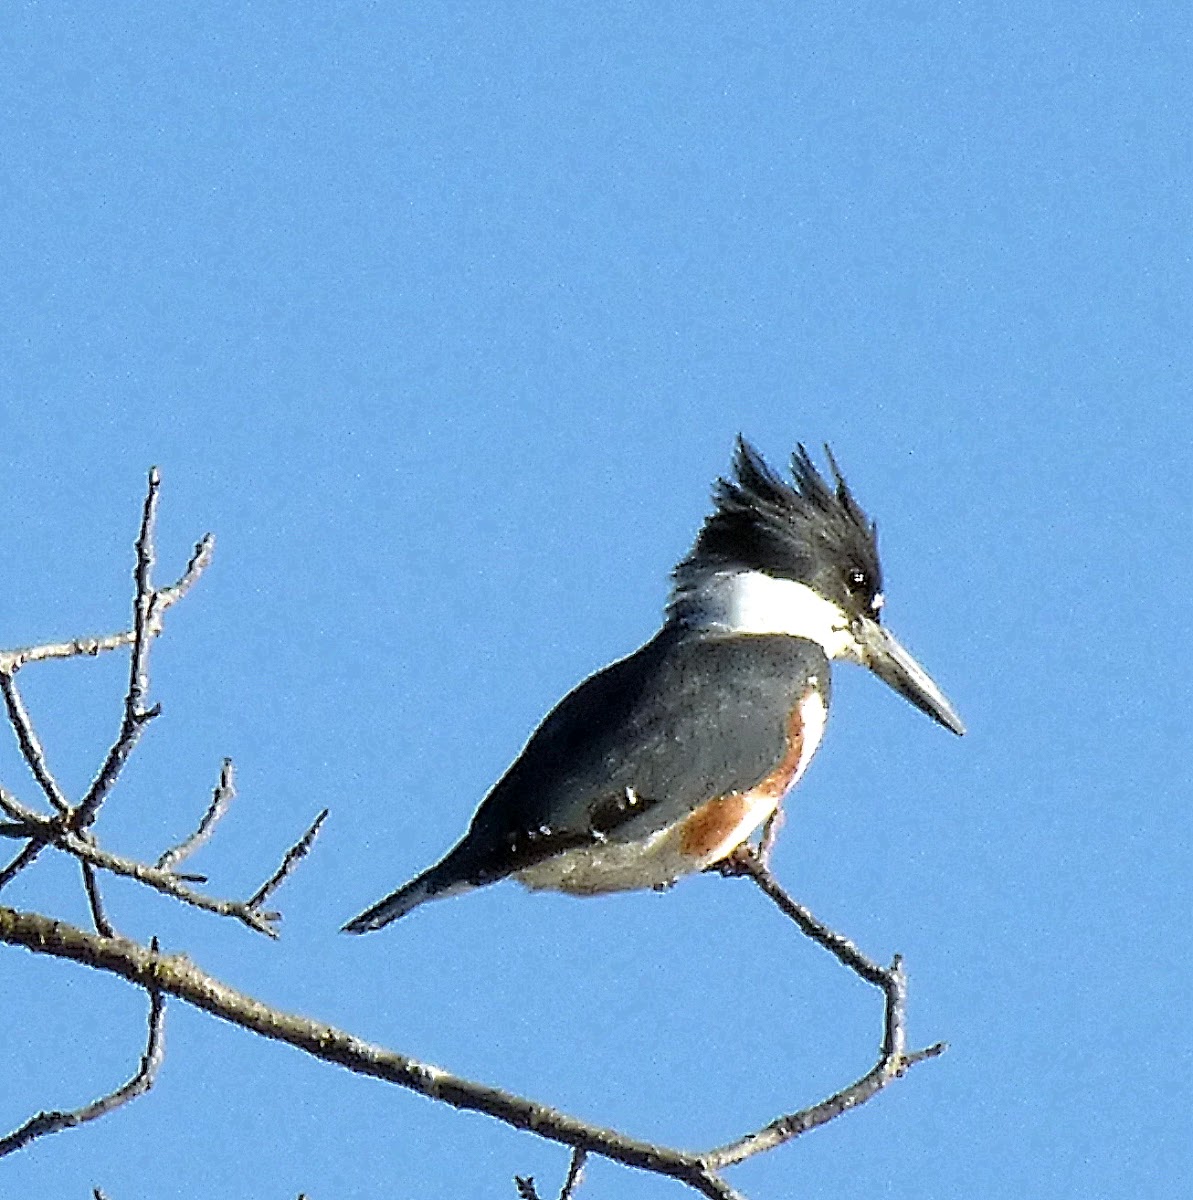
[{"x": 736, "y": 863}]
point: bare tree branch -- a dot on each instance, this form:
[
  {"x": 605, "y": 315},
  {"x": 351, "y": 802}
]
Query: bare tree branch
[
  {"x": 96, "y": 901},
  {"x": 894, "y": 1060},
  {"x": 699, "y": 1171},
  {"x": 770, "y": 834},
  {"x": 221, "y": 798},
  {"x": 293, "y": 857},
  {"x": 11, "y": 661},
  {"x": 136, "y": 715},
  {"x": 528, "y": 1191},
  {"x": 48, "y": 830},
  {"x": 199, "y": 561},
  {"x": 745, "y": 862},
  {"x": 30, "y": 744},
  {"x": 175, "y": 975},
  {"x": 575, "y": 1173},
  {"x": 68, "y": 829},
  {"x": 20, "y": 862},
  {"x": 54, "y": 1122}
]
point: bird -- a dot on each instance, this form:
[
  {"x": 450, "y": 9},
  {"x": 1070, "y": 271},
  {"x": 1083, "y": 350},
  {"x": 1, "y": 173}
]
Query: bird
[{"x": 666, "y": 761}]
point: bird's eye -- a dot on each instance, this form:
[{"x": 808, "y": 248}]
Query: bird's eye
[{"x": 856, "y": 580}]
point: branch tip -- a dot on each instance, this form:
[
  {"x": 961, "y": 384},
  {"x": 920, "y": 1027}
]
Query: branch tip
[
  {"x": 221, "y": 798},
  {"x": 293, "y": 857}
]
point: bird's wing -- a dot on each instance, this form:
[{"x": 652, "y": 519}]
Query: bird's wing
[{"x": 642, "y": 743}]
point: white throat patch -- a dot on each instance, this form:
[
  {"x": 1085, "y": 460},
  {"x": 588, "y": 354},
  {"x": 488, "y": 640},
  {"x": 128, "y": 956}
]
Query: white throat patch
[{"x": 751, "y": 602}]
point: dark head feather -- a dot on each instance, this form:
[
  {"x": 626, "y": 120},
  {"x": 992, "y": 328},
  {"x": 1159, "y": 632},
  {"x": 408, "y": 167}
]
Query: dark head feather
[{"x": 806, "y": 529}]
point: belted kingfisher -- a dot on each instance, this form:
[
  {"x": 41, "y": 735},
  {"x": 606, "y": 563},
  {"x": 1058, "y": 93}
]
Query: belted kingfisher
[{"x": 666, "y": 761}]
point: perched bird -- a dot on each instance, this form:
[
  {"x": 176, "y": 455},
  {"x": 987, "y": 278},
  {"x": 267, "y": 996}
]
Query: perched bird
[{"x": 666, "y": 761}]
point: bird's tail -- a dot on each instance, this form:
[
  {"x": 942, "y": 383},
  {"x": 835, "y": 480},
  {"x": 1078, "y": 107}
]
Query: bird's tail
[{"x": 430, "y": 885}]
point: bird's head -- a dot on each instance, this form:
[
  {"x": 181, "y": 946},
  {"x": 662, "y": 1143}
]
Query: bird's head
[{"x": 799, "y": 558}]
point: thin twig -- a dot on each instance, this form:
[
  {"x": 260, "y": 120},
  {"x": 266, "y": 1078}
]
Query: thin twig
[
  {"x": 43, "y": 830},
  {"x": 199, "y": 561},
  {"x": 526, "y": 1188},
  {"x": 138, "y": 682},
  {"x": 770, "y": 835},
  {"x": 83, "y": 647},
  {"x": 894, "y": 1060},
  {"x": 167, "y": 882},
  {"x": 25, "y": 823},
  {"x": 53, "y": 1122},
  {"x": 30, "y": 744},
  {"x": 96, "y": 901},
  {"x": 575, "y": 1173},
  {"x": 892, "y": 1065},
  {"x": 294, "y": 855},
  {"x": 12, "y": 661},
  {"x": 745, "y": 862},
  {"x": 46, "y": 829},
  {"x": 177, "y": 976},
  {"x": 22, "y": 816},
  {"x": 20, "y": 862},
  {"x": 136, "y": 715},
  {"x": 149, "y": 607},
  {"x": 221, "y": 798}
]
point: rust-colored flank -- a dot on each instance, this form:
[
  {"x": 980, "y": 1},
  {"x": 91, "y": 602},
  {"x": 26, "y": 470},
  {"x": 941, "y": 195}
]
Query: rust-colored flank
[
  {"x": 780, "y": 779},
  {"x": 714, "y": 824},
  {"x": 722, "y": 824}
]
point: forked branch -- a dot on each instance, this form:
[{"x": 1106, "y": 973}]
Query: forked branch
[
  {"x": 69, "y": 829},
  {"x": 11, "y": 661},
  {"x": 47, "y": 831},
  {"x": 894, "y": 1061},
  {"x": 700, "y": 1170},
  {"x": 151, "y": 1061}
]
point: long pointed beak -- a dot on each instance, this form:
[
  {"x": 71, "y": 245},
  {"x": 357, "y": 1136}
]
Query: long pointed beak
[{"x": 894, "y": 666}]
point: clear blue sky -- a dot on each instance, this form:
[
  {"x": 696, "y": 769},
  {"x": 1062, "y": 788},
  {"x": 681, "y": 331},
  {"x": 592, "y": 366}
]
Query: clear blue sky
[{"x": 443, "y": 319}]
